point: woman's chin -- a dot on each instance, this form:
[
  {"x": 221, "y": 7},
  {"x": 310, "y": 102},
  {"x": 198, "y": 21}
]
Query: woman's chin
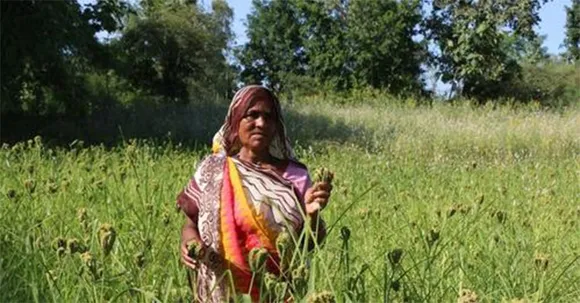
[{"x": 259, "y": 145}]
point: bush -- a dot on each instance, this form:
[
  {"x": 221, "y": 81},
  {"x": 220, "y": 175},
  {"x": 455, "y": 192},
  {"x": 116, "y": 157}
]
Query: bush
[{"x": 552, "y": 84}]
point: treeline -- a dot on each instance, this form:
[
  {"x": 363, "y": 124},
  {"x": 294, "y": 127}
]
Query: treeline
[{"x": 182, "y": 51}]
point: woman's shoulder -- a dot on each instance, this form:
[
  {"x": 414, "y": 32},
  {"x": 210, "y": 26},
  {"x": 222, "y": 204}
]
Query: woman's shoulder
[
  {"x": 209, "y": 164},
  {"x": 296, "y": 167},
  {"x": 212, "y": 159}
]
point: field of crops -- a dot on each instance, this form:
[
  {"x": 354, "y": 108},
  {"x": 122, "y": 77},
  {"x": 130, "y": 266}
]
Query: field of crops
[{"x": 440, "y": 204}]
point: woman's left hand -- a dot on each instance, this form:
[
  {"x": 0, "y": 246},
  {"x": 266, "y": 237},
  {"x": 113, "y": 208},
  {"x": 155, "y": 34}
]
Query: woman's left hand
[{"x": 316, "y": 197}]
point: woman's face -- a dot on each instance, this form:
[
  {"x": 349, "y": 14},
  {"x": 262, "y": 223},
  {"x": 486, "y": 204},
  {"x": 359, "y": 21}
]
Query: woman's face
[{"x": 258, "y": 124}]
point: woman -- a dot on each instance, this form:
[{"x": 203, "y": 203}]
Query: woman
[{"x": 249, "y": 191}]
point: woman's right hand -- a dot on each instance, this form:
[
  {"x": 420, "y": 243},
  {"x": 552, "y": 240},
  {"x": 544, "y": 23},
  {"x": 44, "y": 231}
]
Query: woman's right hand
[{"x": 185, "y": 258}]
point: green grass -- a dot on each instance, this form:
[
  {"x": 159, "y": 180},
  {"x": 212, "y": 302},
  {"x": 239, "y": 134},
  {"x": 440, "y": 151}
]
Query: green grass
[{"x": 481, "y": 199}]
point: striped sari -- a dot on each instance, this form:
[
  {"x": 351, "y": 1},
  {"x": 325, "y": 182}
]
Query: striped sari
[{"x": 240, "y": 207}]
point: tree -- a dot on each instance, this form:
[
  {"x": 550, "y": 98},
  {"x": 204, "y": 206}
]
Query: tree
[
  {"x": 334, "y": 44},
  {"x": 323, "y": 32},
  {"x": 385, "y": 54},
  {"x": 275, "y": 48},
  {"x": 471, "y": 37},
  {"x": 572, "y": 41},
  {"x": 176, "y": 49},
  {"x": 47, "y": 46}
]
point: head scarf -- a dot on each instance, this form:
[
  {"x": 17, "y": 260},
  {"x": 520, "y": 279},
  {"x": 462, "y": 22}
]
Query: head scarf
[{"x": 225, "y": 140}]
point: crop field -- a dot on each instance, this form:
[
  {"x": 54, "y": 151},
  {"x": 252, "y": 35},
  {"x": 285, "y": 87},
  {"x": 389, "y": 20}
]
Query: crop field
[{"x": 430, "y": 204}]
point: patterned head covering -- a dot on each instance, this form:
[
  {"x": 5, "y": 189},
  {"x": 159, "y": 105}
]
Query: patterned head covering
[{"x": 226, "y": 139}]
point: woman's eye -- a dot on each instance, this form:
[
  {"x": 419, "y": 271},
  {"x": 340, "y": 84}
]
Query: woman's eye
[
  {"x": 253, "y": 115},
  {"x": 257, "y": 115}
]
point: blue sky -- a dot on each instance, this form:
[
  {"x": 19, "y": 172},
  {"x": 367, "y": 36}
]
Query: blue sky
[{"x": 552, "y": 14}]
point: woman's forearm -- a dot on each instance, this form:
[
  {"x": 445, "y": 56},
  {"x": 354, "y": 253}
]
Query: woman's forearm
[{"x": 189, "y": 231}]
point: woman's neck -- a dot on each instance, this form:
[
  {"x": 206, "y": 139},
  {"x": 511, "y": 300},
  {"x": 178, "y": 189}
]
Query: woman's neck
[{"x": 254, "y": 157}]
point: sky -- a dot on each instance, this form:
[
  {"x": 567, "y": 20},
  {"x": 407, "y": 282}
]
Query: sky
[{"x": 552, "y": 14}]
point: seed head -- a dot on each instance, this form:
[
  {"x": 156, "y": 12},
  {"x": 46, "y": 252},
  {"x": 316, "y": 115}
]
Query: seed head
[
  {"x": 52, "y": 188},
  {"x": 139, "y": 259},
  {"x": 74, "y": 246},
  {"x": 194, "y": 249},
  {"x": 148, "y": 244},
  {"x": 257, "y": 258},
  {"x": 107, "y": 237},
  {"x": 323, "y": 175},
  {"x": 165, "y": 217},
  {"x": 396, "y": 285},
  {"x": 480, "y": 199},
  {"x": 364, "y": 213},
  {"x": 467, "y": 296},
  {"x": 322, "y": 297},
  {"x": 283, "y": 242},
  {"x": 395, "y": 256},
  {"x": 11, "y": 193},
  {"x": 542, "y": 261},
  {"x": 30, "y": 185},
  {"x": 90, "y": 263},
  {"x": 59, "y": 243},
  {"x": 270, "y": 281},
  {"x": 300, "y": 272},
  {"x": 501, "y": 216},
  {"x": 280, "y": 290},
  {"x": 432, "y": 237},
  {"x": 451, "y": 211},
  {"x": 464, "y": 209},
  {"x": 345, "y": 233}
]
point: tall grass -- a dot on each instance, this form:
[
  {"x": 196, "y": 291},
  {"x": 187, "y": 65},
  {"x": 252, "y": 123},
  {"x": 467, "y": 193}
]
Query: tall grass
[{"x": 434, "y": 204}]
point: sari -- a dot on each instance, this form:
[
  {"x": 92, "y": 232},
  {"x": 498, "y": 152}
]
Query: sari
[{"x": 239, "y": 206}]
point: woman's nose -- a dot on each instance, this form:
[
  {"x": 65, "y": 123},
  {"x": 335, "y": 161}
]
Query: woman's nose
[{"x": 261, "y": 121}]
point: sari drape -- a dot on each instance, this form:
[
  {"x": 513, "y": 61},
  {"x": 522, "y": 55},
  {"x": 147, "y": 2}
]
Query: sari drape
[{"x": 240, "y": 207}]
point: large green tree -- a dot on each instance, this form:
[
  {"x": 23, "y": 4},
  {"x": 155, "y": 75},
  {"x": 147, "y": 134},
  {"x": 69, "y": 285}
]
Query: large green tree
[
  {"x": 335, "y": 44},
  {"x": 176, "y": 49},
  {"x": 471, "y": 37},
  {"x": 275, "y": 48},
  {"x": 384, "y": 53},
  {"x": 572, "y": 41},
  {"x": 46, "y": 48}
]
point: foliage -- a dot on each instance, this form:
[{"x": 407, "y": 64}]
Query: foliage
[
  {"x": 274, "y": 47},
  {"x": 572, "y": 40},
  {"x": 175, "y": 49},
  {"x": 378, "y": 30},
  {"x": 552, "y": 83},
  {"x": 45, "y": 66},
  {"x": 469, "y": 35},
  {"x": 338, "y": 45}
]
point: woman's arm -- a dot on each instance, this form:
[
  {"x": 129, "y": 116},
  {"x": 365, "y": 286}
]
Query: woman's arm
[{"x": 189, "y": 231}]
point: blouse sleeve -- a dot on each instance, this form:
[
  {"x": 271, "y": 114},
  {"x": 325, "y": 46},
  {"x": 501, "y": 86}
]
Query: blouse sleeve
[
  {"x": 188, "y": 198},
  {"x": 300, "y": 179}
]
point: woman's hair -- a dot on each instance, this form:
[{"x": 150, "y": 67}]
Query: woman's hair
[{"x": 240, "y": 109}]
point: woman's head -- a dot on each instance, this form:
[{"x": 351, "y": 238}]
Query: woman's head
[{"x": 254, "y": 122}]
